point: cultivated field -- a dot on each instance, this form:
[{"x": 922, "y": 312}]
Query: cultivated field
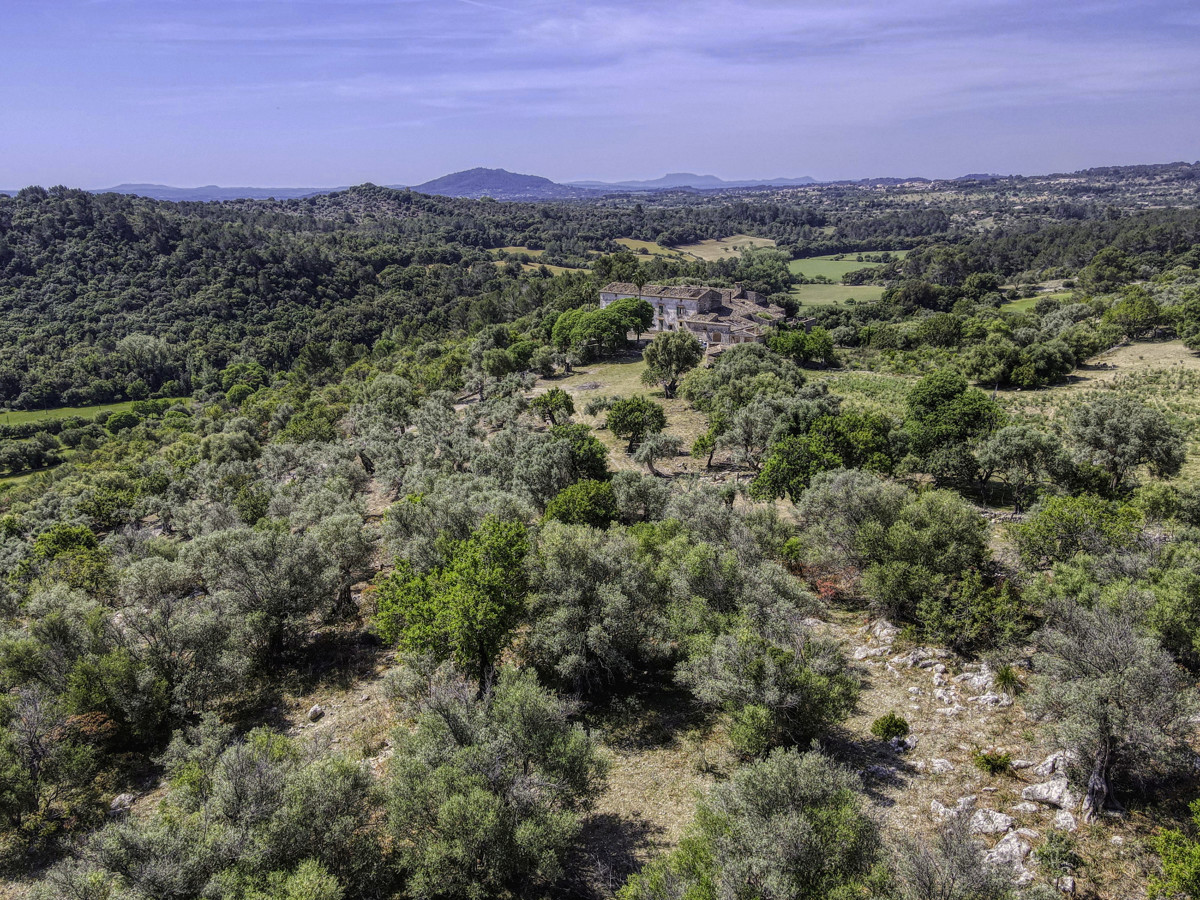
[
  {"x": 835, "y": 265},
  {"x": 831, "y": 294},
  {"x": 19, "y": 417}
]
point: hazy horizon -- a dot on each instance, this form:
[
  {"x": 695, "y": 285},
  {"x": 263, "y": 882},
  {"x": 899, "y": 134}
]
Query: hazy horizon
[{"x": 323, "y": 93}]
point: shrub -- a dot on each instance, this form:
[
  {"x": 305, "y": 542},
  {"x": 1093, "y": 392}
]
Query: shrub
[
  {"x": 1062, "y": 527},
  {"x": 752, "y": 731},
  {"x": 994, "y": 762},
  {"x": 485, "y": 794},
  {"x": 585, "y": 502},
  {"x": 1008, "y": 680},
  {"x": 804, "y": 683},
  {"x": 890, "y": 726},
  {"x": 793, "y": 825},
  {"x": 1057, "y": 854}
]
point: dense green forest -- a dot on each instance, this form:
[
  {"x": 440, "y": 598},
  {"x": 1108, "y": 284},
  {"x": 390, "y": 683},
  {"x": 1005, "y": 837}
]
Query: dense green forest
[{"x": 408, "y": 572}]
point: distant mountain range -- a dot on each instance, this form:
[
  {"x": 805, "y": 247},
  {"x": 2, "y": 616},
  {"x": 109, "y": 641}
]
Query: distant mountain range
[
  {"x": 214, "y": 192},
  {"x": 500, "y": 184},
  {"x": 689, "y": 180}
]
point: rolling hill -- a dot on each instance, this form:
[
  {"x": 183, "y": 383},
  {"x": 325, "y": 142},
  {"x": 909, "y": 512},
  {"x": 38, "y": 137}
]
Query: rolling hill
[{"x": 501, "y": 184}]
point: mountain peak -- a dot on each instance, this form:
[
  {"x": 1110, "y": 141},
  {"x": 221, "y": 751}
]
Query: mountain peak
[{"x": 499, "y": 184}]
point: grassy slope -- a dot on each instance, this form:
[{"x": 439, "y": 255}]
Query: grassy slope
[
  {"x": 18, "y": 417},
  {"x": 720, "y": 248},
  {"x": 831, "y": 294}
]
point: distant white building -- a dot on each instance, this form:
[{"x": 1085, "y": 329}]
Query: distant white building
[{"x": 717, "y": 316}]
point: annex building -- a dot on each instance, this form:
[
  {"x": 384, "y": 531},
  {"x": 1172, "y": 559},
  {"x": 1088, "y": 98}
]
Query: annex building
[{"x": 716, "y": 316}]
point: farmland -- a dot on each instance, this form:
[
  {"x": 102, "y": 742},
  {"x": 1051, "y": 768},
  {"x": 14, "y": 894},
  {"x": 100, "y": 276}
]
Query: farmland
[
  {"x": 720, "y": 248},
  {"x": 21, "y": 417}
]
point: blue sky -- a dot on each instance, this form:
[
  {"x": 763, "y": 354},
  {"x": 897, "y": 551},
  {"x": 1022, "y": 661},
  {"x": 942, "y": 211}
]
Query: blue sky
[{"x": 331, "y": 92}]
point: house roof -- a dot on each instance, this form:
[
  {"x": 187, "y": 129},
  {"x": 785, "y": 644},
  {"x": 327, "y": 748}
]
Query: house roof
[{"x": 674, "y": 292}]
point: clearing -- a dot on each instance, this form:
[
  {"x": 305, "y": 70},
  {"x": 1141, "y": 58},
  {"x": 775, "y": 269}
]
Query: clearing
[
  {"x": 20, "y": 417},
  {"x": 649, "y": 248},
  {"x": 834, "y": 265},
  {"x": 720, "y": 248},
  {"x": 622, "y": 378},
  {"x": 1162, "y": 374},
  {"x": 833, "y": 294}
]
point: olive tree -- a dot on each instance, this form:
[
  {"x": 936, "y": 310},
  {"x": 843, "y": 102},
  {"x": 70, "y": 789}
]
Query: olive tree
[
  {"x": 1115, "y": 698},
  {"x": 1119, "y": 433},
  {"x": 668, "y": 357},
  {"x": 485, "y": 793},
  {"x": 635, "y": 417},
  {"x": 593, "y": 610},
  {"x": 792, "y": 826}
]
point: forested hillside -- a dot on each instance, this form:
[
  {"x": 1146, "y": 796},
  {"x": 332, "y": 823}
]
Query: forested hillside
[{"x": 397, "y": 568}]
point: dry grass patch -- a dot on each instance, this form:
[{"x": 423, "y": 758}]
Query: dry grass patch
[{"x": 622, "y": 378}]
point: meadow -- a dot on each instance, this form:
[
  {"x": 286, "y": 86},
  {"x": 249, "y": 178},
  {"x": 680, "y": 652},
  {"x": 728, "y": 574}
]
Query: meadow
[
  {"x": 834, "y": 265},
  {"x": 720, "y": 248},
  {"x": 20, "y": 417},
  {"x": 832, "y": 294}
]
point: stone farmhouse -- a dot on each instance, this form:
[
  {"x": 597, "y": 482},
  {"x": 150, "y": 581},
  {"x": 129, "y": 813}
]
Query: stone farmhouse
[{"x": 717, "y": 316}]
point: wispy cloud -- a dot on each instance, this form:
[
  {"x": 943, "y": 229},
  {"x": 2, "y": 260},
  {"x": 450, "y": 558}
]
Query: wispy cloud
[{"x": 929, "y": 85}]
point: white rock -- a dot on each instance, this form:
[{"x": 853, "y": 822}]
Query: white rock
[
  {"x": 316, "y": 712},
  {"x": 1022, "y": 764},
  {"x": 940, "y": 766},
  {"x": 1055, "y": 792},
  {"x": 939, "y": 810},
  {"x": 988, "y": 821},
  {"x": 977, "y": 682},
  {"x": 1065, "y": 883},
  {"x": 1064, "y": 820},
  {"x": 1024, "y": 807},
  {"x": 939, "y": 680},
  {"x": 1054, "y": 764},
  {"x": 1010, "y": 852},
  {"x": 940, "y": 668},
  {"x": 951, "y": 710},
  {"x": 911, "y": 658},
  {"x": 991, "y": 699},
  {"x": 884, "y": 631}
]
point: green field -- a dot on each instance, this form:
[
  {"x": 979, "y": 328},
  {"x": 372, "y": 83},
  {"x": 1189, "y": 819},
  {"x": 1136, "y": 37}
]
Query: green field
[
  {"x": 722, "y": 248},
  {"x": 829, "y": 294},
  {"x": 19, "y": 417},
  {"x": 835, "y": 265},
  {"x": 1026, "y": 304},
  {"x": 554, "y": 270},
  {"x": 648, "y": 248},
  {"x": 525, "y": 250}
]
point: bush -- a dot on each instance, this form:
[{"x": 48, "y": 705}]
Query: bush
[
  {"x": 890, "y": 726},
  {"x": 486, "y": 793},
  {"x": 584, "y": 503},
  {"x": 994, "y": 762},
  {"x": 804, "y": 683},
  {"x": 1062, "y": 527},
  {"x": 751, "y": 731},
  {"x": 793, "y": 825}
]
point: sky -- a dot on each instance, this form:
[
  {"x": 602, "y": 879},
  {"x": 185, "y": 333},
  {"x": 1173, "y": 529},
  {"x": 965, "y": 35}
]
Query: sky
[{"x": 322, "y": 93}]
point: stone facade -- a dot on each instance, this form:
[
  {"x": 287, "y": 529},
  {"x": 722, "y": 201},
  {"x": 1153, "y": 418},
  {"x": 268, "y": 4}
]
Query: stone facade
[{"x": 717, "y": 316}]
